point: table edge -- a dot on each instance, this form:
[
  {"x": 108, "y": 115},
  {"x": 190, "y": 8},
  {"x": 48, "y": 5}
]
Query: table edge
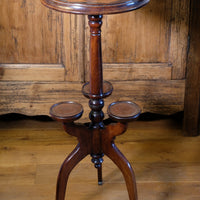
[{"x": 91, "y": 9}]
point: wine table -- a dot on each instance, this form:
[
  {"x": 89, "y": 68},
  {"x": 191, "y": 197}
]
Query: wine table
[{"x": 97, "y": 137}]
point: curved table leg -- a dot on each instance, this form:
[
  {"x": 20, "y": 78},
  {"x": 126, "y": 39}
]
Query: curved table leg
[
  {"x": 70, "y": 162},
  {"x": 118, "y": 158}
]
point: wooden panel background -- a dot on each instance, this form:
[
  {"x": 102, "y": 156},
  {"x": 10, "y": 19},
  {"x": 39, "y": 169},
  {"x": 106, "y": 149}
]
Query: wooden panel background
[
  {"x": 33, "y": 34},
  {"x": 192, "y": 95},
  {"x": 154, "y": 35},
  {"x": 166, "y": 164},
  {"x": 29, "y": 33},
  {"x": 44, "y": 56}
]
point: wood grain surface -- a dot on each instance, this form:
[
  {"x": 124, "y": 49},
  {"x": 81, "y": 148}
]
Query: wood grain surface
[
  {"x": 192, "y": 94},
  {"x": 166, "y": 164},
  {"x": 37, "y": 46},
  {"x": 33, "y": 98},
  {"x": 95, "y": 7}
]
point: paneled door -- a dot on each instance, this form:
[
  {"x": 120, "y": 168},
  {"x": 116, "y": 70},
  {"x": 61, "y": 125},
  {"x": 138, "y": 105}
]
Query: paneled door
[
  {"x": 44, "y": 56},
  {"x": 41, "y": 57}
]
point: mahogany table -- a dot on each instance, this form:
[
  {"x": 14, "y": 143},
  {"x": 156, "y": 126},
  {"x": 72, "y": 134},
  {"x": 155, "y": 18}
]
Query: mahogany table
[{"x": 97, "y": 137}]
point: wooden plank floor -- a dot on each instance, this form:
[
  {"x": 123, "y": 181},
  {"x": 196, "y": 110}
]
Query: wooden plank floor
[{"x": 166, "y": 164}]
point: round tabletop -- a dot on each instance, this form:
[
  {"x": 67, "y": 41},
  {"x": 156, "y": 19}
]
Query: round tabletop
[
  {"x": 66, "y": 111},
  {"x": 94, "y": 7}
]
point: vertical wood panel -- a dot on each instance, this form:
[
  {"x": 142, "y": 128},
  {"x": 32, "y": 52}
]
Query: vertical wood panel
[
  {"x": 156, "y": 33},
  {"x": 29, "y": 33},
  {"x": 179, "y": 36},
  {"x": 73, "y": 47},
  {"x": 138, "y": 36},
  {"x": 192, "y": 95}
]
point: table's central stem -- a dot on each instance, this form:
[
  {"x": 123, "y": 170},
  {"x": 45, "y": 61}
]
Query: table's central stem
[
  {"x": 96, "y": 77},
  {"x": 96, "y": 102}
]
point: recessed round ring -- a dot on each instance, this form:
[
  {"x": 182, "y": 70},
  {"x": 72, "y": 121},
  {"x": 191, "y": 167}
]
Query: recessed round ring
[
  {"x": 123, "y": 111},
  {"x": 67, "y": 111},
  {"x": 107, "y": 90}
]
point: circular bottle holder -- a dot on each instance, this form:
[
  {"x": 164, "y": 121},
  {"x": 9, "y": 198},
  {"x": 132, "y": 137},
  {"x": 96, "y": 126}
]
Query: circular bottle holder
[
  {"x": 107, "y": 90},
  {"x": 68, "y": 111},
  {"x": 123, "y": 111}
]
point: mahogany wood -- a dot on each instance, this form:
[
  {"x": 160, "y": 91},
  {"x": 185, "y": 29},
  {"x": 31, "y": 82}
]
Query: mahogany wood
[
  {"x": 68, "y": 111},
  {"x": 94, "y": 7},
  {"x": 123, "y": 111},
  {"x": 96, "y": 76},
  {"x": 96, "y": 142},
  {"x": 96, "y": 103},
  {"x": 107, "y": 90},
  {"x": 96, "y": 138},
  {"x": 117, "y": 157}
]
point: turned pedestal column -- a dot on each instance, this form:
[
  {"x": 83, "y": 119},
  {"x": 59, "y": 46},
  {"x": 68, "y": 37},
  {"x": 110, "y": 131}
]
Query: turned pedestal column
[{"x": 97, "y": 137}]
